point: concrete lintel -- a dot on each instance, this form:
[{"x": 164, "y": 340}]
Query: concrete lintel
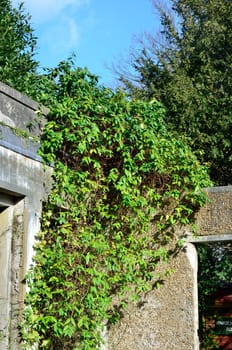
[
  {"x": 227, "y": 237},
  {"x": 218, "y": 189}
]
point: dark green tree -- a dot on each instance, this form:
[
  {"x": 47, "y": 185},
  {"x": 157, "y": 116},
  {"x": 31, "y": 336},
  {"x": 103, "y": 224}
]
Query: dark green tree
[
  {"x": 17, "y": 47},
  {"x": 191, "y": 73}
]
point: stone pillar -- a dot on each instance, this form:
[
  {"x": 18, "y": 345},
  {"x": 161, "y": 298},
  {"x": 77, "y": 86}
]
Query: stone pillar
[{"x": 165, "y": 318}]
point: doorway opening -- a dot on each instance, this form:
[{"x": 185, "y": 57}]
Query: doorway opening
[
  {"x": 215, "y": 295},
  {"x": 8, "y": 199},
  {"x": 11, "y": 266}
]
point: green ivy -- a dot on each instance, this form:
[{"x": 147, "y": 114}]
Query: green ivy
[{"x": 121, "y": 184}]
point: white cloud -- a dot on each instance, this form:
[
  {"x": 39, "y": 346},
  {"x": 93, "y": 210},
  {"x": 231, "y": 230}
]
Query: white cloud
[
  {"x": 58, "y": 24},
  {"x": 62, "y": 36},
  {"x": 73, "y": 32},
  {"x": 45, "y": 10}
]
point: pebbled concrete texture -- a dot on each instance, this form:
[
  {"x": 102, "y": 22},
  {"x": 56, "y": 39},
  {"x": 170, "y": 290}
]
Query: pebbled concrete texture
[
  {"x": 215, "y": 217},
  {"x": 167, "y": 318}
]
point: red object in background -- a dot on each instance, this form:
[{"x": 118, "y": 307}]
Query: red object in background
[
  {"x": 225, "y": 342},
  {"x": 224, "y": 300},
  {"x": 223, "y": 307},
  {"x": 218, "y": 318}
]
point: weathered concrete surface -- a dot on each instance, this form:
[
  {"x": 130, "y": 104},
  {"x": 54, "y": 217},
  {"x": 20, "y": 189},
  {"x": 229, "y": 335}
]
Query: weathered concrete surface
[
  {"x": 18, "y": 270},
  {"x": 27, "y": 146},
  {"x": 5, "y": 275},
  {"x": 215, "y": 218},
  {"x": 20, "y": 112},
  {"x": 23, "y": 179},
  {"x": 23, "y": 176},
  {"x": 21, "y": 122},
  {"x": 24, "y": 184},
  {"x": 12, "y": 272},
  {"x": 167, "y": 318}
]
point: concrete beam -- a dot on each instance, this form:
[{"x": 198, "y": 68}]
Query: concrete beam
[{"x": 227, "y": 237}]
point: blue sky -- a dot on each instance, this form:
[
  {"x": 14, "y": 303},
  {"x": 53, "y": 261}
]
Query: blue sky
[{"x": 99, "y": 32}]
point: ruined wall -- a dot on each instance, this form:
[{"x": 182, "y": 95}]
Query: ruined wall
[
  {"x": 24, "y": 183},
  {"x": 167, "y": 318}
]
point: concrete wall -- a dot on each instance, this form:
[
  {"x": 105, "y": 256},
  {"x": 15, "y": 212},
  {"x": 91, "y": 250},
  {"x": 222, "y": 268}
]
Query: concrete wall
[
  {"x": 167, "y": 318},
  {"x": 215, "y": 218},
  {"x": 20, "y": 112},
  {"x": 24, "y": 183}
]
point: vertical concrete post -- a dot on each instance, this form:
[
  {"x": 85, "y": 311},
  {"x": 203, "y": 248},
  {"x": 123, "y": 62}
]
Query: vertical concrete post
[
  {"x": 5, "y": 275},
  {"x": 191, "y": 253},
  {"x": 18, "y": 270}
]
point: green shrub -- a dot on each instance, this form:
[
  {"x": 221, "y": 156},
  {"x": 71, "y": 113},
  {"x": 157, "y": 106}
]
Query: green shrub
[{"x": 121, "y": 184}]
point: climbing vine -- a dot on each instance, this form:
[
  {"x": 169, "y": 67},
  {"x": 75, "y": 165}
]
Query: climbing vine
[{"x": 121, "y": 184}]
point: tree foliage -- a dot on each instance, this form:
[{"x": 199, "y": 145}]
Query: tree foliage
[
  {"x": 122, "y": 183},
  {"x": 190, "y": 73},
  {"x": 17, "y": 47}
]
